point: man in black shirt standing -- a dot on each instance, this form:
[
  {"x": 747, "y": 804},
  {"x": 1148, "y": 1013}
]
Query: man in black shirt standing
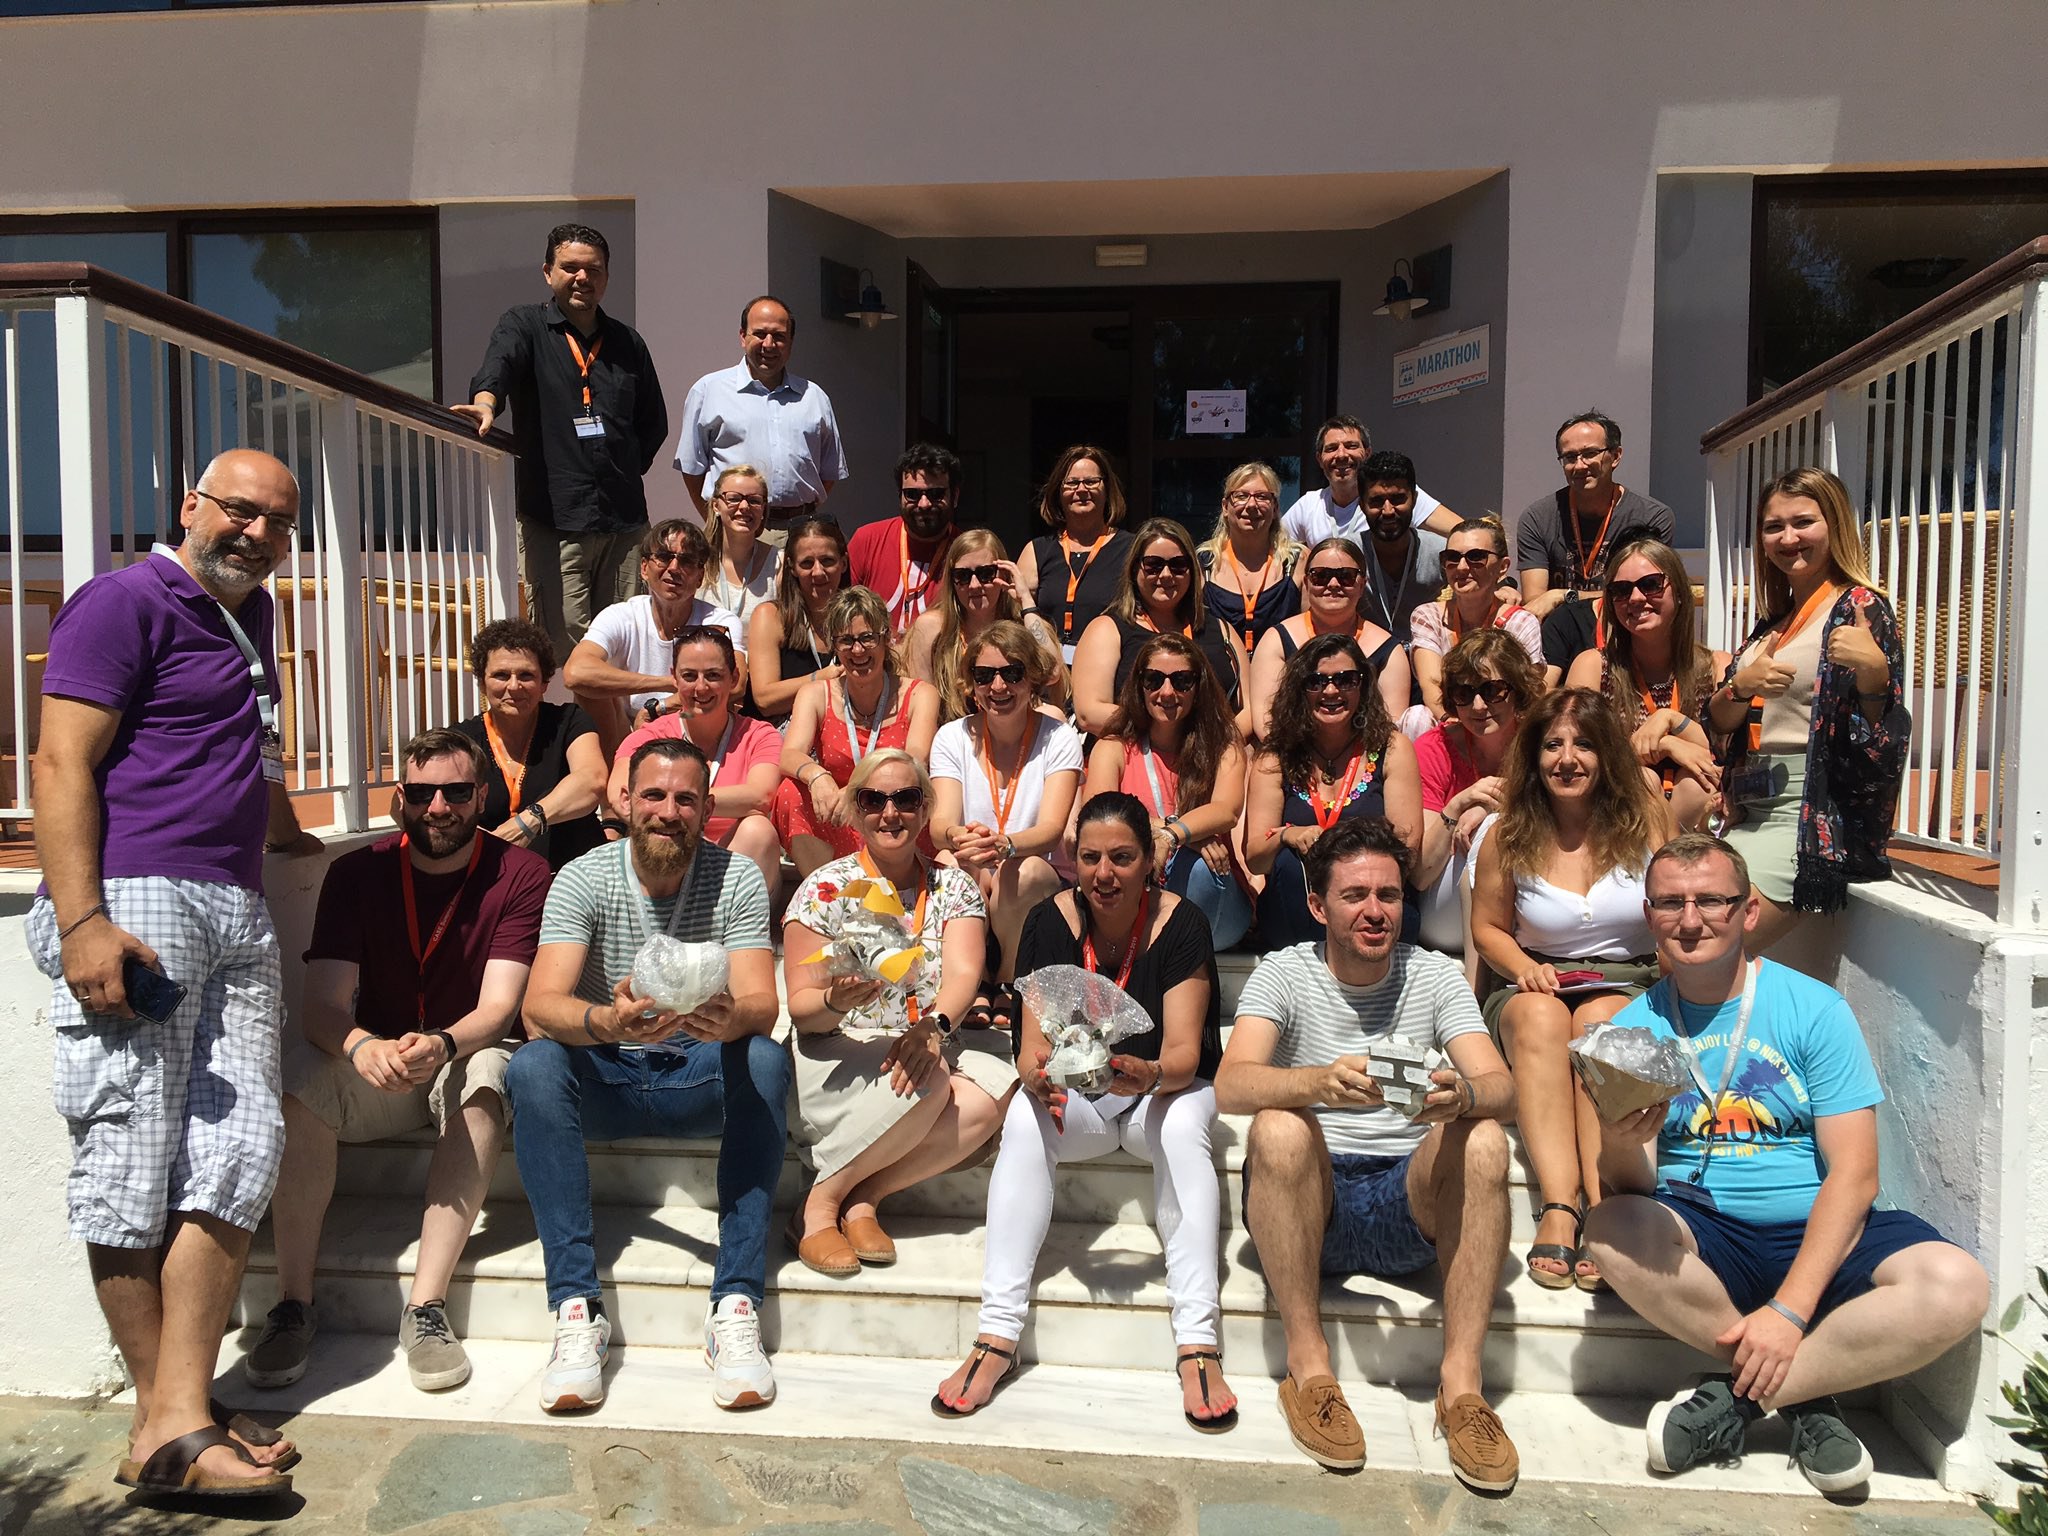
[
  {"x": 589, "y": 420},
  {"x": 1561, "y": 540}
]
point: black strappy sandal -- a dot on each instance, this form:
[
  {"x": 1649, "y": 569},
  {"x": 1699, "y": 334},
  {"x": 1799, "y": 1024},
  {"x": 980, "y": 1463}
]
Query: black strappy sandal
[
  {"x": 982, "y": 1350},
  {"x": 1222, "y": 1421},
  {"x": 1006, "y": 1008},
  {"x": 1566, "y": 1254}
]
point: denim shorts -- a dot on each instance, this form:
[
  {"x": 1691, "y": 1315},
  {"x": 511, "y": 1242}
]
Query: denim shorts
[
  {"x": 1751, "y": 1259},
  {"x": 1371, "y": 1230}
]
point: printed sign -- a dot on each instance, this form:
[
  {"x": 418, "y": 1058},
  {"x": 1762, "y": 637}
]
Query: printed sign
[
  {"x": 1443, "y": 367},
  {"x": 1215, "y": 411}
]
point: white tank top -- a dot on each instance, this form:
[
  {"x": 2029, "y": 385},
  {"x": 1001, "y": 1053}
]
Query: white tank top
[{"x": 1606, "y": 923}]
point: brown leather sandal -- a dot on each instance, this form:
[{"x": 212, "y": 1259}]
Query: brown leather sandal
[
  {"x": 173, "y": 1468},
  {"x": 982, "y": 1350},
  {"x": 254, "y": 1432},
  {"x": 1201, "y": 1357}
]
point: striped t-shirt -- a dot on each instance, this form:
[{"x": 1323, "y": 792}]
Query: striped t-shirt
[
  {"x": 1423, "y": 1000},
  {"x": 597, "y": 901}
]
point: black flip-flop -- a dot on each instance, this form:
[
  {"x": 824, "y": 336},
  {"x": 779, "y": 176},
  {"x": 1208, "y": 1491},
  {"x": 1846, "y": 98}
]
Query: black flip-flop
[
  {"x": 982, "y": 1350},
  {"x": 173, "y": 1470},
  {"x": 252, "y": 1432},
  {"x": 1222, "y": 1421}
]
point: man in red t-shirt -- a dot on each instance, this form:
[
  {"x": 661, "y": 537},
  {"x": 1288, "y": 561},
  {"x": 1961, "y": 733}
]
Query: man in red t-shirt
[
  {"x": 899, "y": 558},
  {"x": 414, "y": 978}
]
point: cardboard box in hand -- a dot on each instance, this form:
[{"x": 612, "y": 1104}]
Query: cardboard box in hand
[{"x": 1403, "y": 1073}]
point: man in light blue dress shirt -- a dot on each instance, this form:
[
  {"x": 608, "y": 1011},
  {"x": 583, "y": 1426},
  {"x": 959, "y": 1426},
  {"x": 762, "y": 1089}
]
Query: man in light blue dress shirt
[{"x": 757, "y": 412}]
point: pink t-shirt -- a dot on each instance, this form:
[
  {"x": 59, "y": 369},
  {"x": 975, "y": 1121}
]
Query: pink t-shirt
[
  {"x": 750, "y": 743},
  {"x": 1444, "y": 770},
  {"x": 1431, "y": 631}
]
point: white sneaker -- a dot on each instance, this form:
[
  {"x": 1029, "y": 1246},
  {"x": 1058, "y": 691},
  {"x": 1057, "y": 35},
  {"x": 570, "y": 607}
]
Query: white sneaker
[
  {"x": 575, "y": 1373},
  {"x": 740, "y": 1375}
]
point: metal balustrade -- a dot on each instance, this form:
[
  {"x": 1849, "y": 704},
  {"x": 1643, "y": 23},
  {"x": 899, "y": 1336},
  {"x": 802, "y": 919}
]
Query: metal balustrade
[
  {"x": 113, "y": 397},
  {"x": 1936, "y": 427}
]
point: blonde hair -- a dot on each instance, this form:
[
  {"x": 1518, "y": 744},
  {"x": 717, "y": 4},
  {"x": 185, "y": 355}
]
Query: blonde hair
[
  {"x": 1015, "y": 644},
  {"x": 948, "y": 642},
  {"x": 1845, "y": 537},
  {"x": 714, "y": 524},
  {"x": 850, "y": 603},
  {"x": 1282, "y": 545},
  {"x": 1692, "y": 664},
  {"x": 871, "y": 764}
]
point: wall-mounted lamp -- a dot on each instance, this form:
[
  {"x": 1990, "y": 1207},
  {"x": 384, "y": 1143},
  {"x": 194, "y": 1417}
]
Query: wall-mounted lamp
[
  {"x": 1402, "y": 300},
  {"x": 850, "y": 296},
  {"x": 870, "y": 311}
]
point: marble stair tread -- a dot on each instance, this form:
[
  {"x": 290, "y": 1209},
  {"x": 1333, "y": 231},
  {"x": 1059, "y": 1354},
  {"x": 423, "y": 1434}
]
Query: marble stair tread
[{"x": 1061, "y": 1409}]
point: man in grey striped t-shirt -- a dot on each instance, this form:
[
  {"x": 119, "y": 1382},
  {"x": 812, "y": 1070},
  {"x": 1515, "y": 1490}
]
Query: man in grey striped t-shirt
[
  {"x": 608, "y": 1064},
  {"x": 1337, "y": 1181}
]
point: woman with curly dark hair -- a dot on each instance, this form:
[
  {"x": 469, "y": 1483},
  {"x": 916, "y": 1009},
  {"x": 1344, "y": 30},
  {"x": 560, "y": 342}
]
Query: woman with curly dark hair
[
  {"x": 543, "y": 763},
  {"x": 1557, "y": 913},
  {"x": 1331, "y": 754}
]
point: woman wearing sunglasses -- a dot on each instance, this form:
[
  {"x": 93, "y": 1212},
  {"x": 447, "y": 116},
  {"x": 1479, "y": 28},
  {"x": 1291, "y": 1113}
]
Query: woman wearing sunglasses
[
  {"x": 744, "y": 753},
  {"x": 1250, "y": 561},
  {"x": 1334, "y": 581},
  {"x": 870, "y": 705},
  {"x": 889, "y": 1088},
  {"x": 1489, "y": 683},
  {"x": 977, "y": 586},
  {"x": 740, "y": 575},
  {"x": 1332, "y": 754},
  {"x": 1813, "y": 710},
  {"x": 1159, "y": 1107},
  {"x": 1160, "y": 594},
  {"x": 1652, "y": 668},
  {"x": 1174, "y": 747},
  {"x": 786, "y": 636},
  {"x": 1070, "y": 576},
  {"x": 1475, "y": 562},
  {"x": 1004, "y": 779},
  {"x": 1557, "y": 913}
]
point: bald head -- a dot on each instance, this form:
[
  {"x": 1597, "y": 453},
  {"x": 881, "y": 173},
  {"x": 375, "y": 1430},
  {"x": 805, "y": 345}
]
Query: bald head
[
  {"x": 240, "y": 520},
  {"x": 251, "y": 474}
]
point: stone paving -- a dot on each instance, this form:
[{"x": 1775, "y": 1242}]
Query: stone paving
[{"x": 380, "y": 1476}]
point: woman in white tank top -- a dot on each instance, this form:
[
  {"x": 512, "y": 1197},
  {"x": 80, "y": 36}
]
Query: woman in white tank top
[{"x": 1557, "y": 913}]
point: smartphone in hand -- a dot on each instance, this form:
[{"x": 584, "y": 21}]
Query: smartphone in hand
[{"x": 152, "y": 994}]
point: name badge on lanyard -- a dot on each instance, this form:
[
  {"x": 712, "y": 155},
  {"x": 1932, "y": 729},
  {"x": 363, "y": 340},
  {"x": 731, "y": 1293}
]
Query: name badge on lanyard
[
  {"x": 587, "y": 424},
  {"x": 1693, "y": 1188},
  {"x": 273, "y": 744}
]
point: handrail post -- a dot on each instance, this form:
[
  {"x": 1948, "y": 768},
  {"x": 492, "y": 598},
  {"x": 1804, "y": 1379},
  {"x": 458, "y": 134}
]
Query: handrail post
[
  {"x": 341, "y": 608},
  {"x": 1722, "y": 505},
  {"x": 500, "y": 490},
  {"x": 85, "y": 499},
  {"x": 2023, "y": 860},
  {"x": 1845, "y": 445}
]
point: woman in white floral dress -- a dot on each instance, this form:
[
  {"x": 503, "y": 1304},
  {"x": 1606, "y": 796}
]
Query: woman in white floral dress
[{"x": 889, "y": 1089}]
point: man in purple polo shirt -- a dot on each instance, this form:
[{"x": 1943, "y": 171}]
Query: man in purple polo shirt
[{"x": 157, "y": 788}]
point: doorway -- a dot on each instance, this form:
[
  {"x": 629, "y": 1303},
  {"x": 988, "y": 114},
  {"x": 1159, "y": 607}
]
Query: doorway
[{"x": 1008, "y": 378}]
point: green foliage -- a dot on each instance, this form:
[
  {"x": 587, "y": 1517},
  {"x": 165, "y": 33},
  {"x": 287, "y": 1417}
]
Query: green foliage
[{"x": 2027, "y": 1427}]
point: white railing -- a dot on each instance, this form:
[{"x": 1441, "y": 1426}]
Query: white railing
[
  {"x": 1936, "y": 426},
  {"x": 112, "y": 400}
]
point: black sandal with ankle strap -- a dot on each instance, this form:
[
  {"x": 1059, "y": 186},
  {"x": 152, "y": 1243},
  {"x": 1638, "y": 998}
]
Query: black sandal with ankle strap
[
  {"x": 1566, "y": 1254},
  {"x": 1222, "y": 1421},
  {"x": 982, "y": 1350}
]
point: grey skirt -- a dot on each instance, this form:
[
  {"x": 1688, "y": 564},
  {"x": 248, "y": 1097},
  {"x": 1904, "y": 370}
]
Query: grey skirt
[{"x": 843, "y": 1101}]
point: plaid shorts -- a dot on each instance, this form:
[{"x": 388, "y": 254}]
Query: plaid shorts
[{"x": 184, "y": 1116}]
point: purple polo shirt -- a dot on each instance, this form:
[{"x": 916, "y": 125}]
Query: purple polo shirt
[{"x": 182, "y": 793}]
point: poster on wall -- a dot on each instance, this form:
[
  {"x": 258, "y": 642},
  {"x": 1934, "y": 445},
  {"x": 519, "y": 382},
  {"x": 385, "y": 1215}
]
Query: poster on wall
[
  {"x": 1215, "y": 411},
  {"x": 1445, "y": 366}
]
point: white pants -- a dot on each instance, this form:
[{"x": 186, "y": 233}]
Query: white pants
[{"x": 1171, "y": 1133}]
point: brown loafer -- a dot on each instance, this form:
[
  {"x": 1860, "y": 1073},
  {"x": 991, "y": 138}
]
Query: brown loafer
[
  {"x": 1481, "y": 1453},
  {"x": 1322, "y": 1424},
  {"x": 871, "y": 1245},
  {"x": 828, "y": 1252}
]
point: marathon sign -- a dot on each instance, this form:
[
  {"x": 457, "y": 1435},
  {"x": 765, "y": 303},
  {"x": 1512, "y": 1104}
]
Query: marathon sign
[{"x": 1443, "y": 366}]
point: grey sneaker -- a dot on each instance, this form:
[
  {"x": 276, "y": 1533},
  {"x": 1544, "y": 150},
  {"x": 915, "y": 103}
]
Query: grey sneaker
[
  {"x": 279, "y": 1358},
  {"x": 432, "y": 1352},
  {"x": 1706, "y": 1422},
  {"x": 1825, "y": 1448}
]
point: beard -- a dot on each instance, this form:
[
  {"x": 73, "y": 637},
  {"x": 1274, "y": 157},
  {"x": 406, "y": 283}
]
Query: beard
[
  {"x": 660, "y": 855},
  {"x": 214, "y": 562},
  {"x": 437, "y": 842}
]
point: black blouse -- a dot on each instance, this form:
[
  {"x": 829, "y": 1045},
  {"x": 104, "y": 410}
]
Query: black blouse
[
  {"x": 1211, "y": 639},
  {"x": 1095, "y": 591},
  {"x": 547, "y": 764}
]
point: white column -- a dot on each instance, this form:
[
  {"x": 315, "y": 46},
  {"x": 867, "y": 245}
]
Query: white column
[
  {"x": 2023, "y": 861},
  {"x": 84, "y": 496},
  {"x": 342, "y": 620}
]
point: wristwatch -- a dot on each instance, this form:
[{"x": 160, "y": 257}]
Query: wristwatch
[
  {"x": 1448, "y": 819},
  {"x": 943, "y": 1023}
]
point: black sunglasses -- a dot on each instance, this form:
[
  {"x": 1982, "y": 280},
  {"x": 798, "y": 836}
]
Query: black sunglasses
[
  {"x": 1468, "y": 556},
  {"x": 872, "y": 802},
  {"x": 1151, "y": 679},
  {"x": 968, "y": 575},
  {"x": 1334, "y": 575},
  {"x": 1652, "y": 586},
  {"x": 1159, "y": 565},
  {"x": 1346, "y": 681},
  {"x": 1011, "y": 672},
  {"x": 461, "y": 792},
  {"x": 1495, "y": 692}
]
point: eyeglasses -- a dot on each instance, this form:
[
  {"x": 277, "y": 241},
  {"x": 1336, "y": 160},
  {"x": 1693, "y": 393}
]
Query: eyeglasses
[
  {"x": 982, "y": 575},
  {"x": 912, "y": 495},
  {"x": 872, "y": 802},
  {"x": 1651, "y": 586},
  {"x": 1152, "y": 680},
  {"x": 866, "y": 640},
  {"x": 736, "y": 502},
  {"x": 1159, "y": 565},
  {"x": 421, "y": 795},
  {"x": 1468, "y": 557},
  {"x": 1250, "y": 499},
  {"x": 1496, "y": 693},
  {"x": 1713, "y": 906},
  {"x": 1079, "y": 484},
  {"x": 1342, "y": 576},
  {"x": 1579, "y": 456},
  {"x": 243, "y": 513},
  {"x": 1011, "y": 672},
  {"x": 1347, "y": 681}
]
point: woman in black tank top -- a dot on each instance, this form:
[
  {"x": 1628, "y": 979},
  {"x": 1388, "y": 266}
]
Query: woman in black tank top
[
  {"x": 1071, "y": 576},
  {"x": 787, "y": 641}
]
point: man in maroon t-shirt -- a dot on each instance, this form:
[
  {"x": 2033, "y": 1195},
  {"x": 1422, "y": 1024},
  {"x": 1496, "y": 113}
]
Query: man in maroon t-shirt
[
  {"x": 414, "y": 979},
  {"x": 899, "y": 557}
]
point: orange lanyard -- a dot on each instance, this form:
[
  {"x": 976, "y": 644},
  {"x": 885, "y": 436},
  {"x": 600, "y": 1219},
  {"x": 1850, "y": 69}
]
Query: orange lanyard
[
  {"x": 1315, "y": 630},
  {"x": 924, "y": 891},
  {"x": 1002, "y": 800},
  {"x": 902, "y": 611},
  {"x": 1072, "y": 551},
  {"x": 1584, "y": 573},
  {"x": 1252, "y": 597},
  {"x": 1146, "y": 619},
  {"x": 1823, "y": 596},
  {"x": 412, "y": 911},
  {"x": 513, "y": 773},
  {"x": 1088, "y": 959},
  {"x": 1327, "y": 813},
  {"x": 583, "y": 362}
]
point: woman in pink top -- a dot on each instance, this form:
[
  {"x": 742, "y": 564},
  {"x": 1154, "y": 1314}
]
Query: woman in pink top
[{"x": 745, "y": 754}]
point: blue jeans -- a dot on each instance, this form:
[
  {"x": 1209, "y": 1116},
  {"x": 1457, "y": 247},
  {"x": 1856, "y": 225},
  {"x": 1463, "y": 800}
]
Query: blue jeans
[
  {"x": 1219, "y": 898},
  {"x": 565, "y": 1096}
]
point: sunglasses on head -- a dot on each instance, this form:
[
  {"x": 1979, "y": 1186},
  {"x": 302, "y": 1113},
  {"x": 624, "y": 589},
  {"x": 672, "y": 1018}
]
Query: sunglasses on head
[
  {"x": 1468, "y": 557},
  {"x": 872, "y": 802},
  {"x": 1334, "y": 575},
  {"x": 1495, "y": 692},
  {"x": 1159, "y": 565},
  {"x": 1011, "y": 672},
  {"x": 972, "y": 575},
  {"x": 1651, "y": 586},
  {"x": 421, "y": 795},
  {"x": 1151, "y": 679},
  {"x": 694, "y": 632},
  {"x": 1346, "y": 681}
]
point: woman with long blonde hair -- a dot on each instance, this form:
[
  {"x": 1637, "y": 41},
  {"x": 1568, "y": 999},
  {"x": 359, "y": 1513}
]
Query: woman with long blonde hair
[
  {"x": 1250, "y": 558},
  {"x": 977, "y": 585}
]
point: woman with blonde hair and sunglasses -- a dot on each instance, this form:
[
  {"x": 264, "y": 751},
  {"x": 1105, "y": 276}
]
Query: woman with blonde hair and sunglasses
[
  {"x": 1813, "y": 709},
  {"x": 977, "y": 585},
  {"x": 1069, "y": 577},
  {"x": 1250, "y": 560}
]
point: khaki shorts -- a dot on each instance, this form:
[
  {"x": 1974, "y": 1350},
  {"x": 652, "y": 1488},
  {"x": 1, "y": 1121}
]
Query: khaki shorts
[{"x": 347, "y": 1105}]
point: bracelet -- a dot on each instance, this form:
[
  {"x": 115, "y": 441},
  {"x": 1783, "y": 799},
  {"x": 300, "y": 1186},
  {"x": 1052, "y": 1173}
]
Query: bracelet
[
  {"x": 97, "y": 909},
  {"x": 1447, "y": 819},
  {"x": 825, "y": 997},
  {"x": 588, "y": 1010},
  {"x": 446, "y": 1039},
  {"x": 1158, "y": 1077},
  {"x": 358, "y": 1046},
  {"x": 1787, "y": 1313},
  {"x": 1471, "y": 1097}
]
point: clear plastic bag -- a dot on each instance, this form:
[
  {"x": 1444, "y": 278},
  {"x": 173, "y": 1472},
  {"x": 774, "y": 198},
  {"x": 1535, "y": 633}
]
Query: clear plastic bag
[
  {"x": 1083, "y": 1015},
  {"x": 1626, "y": 1068},
  {"x": 872, "y": 942},
  {"x": 679, "y": 977}
]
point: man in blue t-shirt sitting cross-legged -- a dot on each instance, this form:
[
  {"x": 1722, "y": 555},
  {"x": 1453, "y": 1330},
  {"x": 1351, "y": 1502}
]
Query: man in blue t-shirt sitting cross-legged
[{"x": 1744, "y": 1221}]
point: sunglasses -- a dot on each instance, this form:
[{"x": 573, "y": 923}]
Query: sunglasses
[
  {"x": 1346, "y": 681},
  {"x": 1496, "y": 693},
  {"x": 1159, "y": 565},
  {"x": 1652, "y": 586},
  {"x": 872, "y": 802},
  {"x": 671, "y": 557},
  {"x": 973, "y": 575},
  {"x": 1152, "y": 680},
  {"x": 1344, "y": 576},
  {"x": 421, "y": 795},
  {"x": 1011, "y": 672},
  {"x": 1468, "y": 557}
]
